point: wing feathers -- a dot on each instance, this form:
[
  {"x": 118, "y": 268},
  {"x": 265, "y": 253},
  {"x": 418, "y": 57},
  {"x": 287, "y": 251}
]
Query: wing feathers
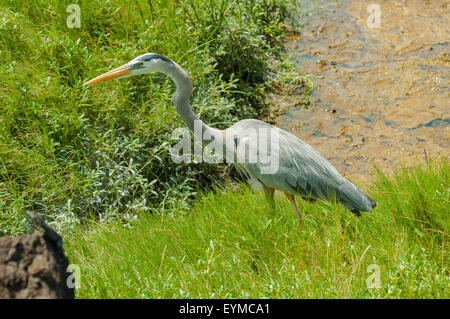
[{"x": 304, "y": 171}]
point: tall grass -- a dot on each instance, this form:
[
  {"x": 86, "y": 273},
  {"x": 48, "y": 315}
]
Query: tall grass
[
  {"x": 75, "y": 153},
  {"x": 226, "y": 246}
]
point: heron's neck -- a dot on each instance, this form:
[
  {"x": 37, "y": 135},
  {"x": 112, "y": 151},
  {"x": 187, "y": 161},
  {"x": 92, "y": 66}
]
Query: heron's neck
[{"x": 181, "y": 101}]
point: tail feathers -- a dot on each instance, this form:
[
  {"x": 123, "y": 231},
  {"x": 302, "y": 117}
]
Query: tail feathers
[
  {"x": 372, "y": 202},
  {"x": 355, "y": 200}
]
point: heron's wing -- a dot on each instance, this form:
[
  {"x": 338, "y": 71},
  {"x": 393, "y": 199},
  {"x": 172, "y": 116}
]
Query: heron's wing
[
  {"x": 285, "y": 162},
  {"x": 300, "y": 169}
]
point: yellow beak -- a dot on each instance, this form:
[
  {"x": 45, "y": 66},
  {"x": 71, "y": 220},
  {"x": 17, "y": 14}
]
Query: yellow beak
[{"x": 113, "y": 74}]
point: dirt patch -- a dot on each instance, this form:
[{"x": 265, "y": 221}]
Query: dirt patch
[{"x": 381, "y": 94}]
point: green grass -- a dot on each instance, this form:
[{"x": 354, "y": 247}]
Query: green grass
[
  {"x": 226, "y": 246},
  {"x": 96, "y": 162},
  {"x": 74, "y": 153}
]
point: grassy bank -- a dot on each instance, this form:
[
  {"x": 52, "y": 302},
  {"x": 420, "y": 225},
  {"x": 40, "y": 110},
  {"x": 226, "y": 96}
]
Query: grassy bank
[
  {"x": 95, "y": 161},
  {"x": 226, "y": 246},
  {"x": 74, "y": 153}
]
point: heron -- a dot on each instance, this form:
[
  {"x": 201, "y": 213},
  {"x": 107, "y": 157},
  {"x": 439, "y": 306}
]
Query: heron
[{"x": 300, "y": 169}]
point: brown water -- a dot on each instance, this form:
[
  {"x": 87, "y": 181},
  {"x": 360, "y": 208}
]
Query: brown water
[{"x": 381, "y": 95}]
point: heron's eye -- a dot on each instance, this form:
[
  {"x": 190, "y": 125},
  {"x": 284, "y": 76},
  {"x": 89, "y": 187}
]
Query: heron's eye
[{"x": 140, "y": 64}]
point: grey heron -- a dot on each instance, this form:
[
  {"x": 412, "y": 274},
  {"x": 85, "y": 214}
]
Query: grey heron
[{"x": 300, "y": 169}]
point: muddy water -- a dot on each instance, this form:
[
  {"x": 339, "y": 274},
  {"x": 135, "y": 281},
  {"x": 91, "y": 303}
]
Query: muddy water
[{"x": 381, "y": 95}]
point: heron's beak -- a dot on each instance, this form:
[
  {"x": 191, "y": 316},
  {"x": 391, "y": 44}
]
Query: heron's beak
[{"x": 113, "y": 74}]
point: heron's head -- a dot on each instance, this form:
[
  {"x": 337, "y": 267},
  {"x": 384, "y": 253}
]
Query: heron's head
[{"x": 146, "y": 63}]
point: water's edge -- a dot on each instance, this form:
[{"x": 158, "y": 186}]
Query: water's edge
[{"x": 381, "y": 94}]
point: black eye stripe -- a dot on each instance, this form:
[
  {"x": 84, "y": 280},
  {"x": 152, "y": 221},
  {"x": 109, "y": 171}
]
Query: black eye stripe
[{"x": 150, "y": 56}]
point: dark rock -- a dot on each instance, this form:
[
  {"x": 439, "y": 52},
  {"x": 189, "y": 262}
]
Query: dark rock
[{"x": 34, "y": 267}]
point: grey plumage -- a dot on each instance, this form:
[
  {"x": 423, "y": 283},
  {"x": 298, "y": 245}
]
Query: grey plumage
[{"x": 302, "y": 170}]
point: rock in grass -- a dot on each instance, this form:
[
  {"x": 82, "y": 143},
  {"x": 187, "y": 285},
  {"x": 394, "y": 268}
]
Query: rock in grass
[{"x": 34, "y": 266}]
